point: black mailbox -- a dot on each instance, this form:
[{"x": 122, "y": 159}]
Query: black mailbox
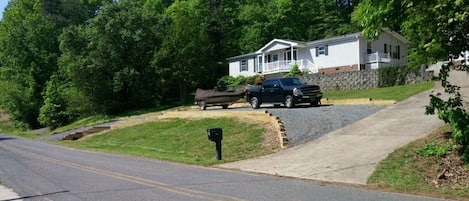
[{"x": 215, "y": 134}]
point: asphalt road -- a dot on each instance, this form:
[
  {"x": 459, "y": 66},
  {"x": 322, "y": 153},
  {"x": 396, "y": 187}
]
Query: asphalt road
[{"x": 39, "y": 171}]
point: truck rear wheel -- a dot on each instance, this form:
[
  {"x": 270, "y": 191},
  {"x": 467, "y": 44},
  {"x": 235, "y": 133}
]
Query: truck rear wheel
[
  {"x": 289, "y": 102},
  {"x": 254, "y": 103}
]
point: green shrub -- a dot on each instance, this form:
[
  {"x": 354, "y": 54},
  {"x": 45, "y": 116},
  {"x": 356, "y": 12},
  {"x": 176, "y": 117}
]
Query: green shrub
[
  {"x": 253, "y": 79},
  {"x": 392, "y": 76},
  {"x": 432, "y": 149},
  {"x": 53, "y": 113},
  {"x": 452, "y": 110},
  {"x": 294, "y": 71},
  {"x": 237, "y": 81},
  {"x": 231, "y": 81}
]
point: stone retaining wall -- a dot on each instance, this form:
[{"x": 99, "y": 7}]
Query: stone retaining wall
[{"x": 365, "y": 79}]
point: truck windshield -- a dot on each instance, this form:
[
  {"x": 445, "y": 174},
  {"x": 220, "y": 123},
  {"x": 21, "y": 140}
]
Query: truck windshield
[{"x": 291, "y": 81}]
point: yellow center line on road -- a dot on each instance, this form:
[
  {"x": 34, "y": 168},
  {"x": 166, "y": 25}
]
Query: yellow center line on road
[{"x": 158, "y": 185}]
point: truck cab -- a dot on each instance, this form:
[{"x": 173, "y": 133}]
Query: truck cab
[{"x": 287, "y": 91}]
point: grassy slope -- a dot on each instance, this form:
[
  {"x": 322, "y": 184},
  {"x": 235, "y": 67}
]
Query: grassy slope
[
  {"x": 405, "y": 170},
  {"x": 181, "y": 140},
  {"x": 397, "y": 93}
]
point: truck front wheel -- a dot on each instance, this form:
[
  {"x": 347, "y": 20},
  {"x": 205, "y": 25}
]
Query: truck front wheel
[
  {"x": 316, "y": 102},
  {"x": 289, "y": 102},
  {"x": 255, "y": 103}
]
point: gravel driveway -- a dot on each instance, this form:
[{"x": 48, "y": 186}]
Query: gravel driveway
[{"x": 309, "y": 123}]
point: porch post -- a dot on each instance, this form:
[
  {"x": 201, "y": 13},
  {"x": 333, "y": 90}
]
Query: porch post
[
  {"x": 291, "y": 54},
  {"x": 263, "y": 63}
]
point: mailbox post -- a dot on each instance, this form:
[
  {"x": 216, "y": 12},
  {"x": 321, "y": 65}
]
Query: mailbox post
[{"x": 216, "y": 135}]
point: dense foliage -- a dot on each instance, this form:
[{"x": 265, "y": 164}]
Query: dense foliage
[
  {"x": 393, "y": 76},
  {"x": 436, "y": 29},
  {"x": 65, "y": 59}
]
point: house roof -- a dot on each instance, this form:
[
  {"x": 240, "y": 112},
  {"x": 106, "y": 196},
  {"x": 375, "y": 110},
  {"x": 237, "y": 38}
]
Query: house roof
[
  {"x": 335, "y": 39},
  {"x": 396, "y": 35},
  {"x": 291, "y": 43},
  {"x": 252, "y": 54},
  {"x": 356, "y": 35}
]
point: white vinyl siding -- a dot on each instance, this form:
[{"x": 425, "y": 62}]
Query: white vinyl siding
[{"x": 341, "y": 53}]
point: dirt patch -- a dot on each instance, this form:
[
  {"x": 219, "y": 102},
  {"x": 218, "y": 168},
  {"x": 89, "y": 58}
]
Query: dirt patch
[
  {"x": 454, "y": 173},
  {"x": 448, "y": 172},
  {"x": 4, "y": 117}
]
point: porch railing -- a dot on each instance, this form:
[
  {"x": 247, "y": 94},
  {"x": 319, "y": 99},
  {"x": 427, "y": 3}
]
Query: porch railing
[
  {"x": 284, "y": 66},
  {"x": 378, "y": 57}
]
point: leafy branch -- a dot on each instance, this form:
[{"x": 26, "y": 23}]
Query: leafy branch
[{"x": 452, "y": 110}]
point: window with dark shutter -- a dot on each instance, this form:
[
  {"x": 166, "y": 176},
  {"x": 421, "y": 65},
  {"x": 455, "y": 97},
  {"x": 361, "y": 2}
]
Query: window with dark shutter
[
  {"x": 326, "y": 50},
  {"x": 243, "y": 65},
  {"x": 321, "y": 50},
  {"x": 368, "y": 47},
  {"x": 398, "y": 52}
]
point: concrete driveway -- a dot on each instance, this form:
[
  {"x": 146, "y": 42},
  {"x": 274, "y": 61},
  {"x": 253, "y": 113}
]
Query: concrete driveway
[{"x": 350, "y": 154}]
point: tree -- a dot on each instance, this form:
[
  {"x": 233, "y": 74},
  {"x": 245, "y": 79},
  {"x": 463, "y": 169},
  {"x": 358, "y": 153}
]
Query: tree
[
  {"x": 184, "y": 58},
  {"x": 262, "y": 21},
  {"x": 436, "y": 29},
  {"x": 28, "y": 54},
  {"x": 54, "y": 111},
  {"x": 29, "y": 51},
  {"x": 109, "y": 58}
]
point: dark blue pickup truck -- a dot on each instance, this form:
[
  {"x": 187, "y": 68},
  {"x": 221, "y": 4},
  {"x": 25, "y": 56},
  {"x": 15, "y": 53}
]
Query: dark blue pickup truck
[{"x": 288, "y": 91}]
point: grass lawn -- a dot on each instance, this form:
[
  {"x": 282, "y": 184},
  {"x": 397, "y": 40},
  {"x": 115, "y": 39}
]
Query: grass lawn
[
  {"x": 182, "y": 140},
  {"x": 397, "y": 93},
  {"x": 405, "y": 170},
  {"x": 11, "y": 130}
]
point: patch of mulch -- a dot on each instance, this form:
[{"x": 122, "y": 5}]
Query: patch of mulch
[
  {"x": 454, "y": 173},
  {"x": 448, "y": 172}
]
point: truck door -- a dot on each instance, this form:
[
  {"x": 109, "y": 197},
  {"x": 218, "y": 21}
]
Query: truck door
[{"x": 271, "y": 91}]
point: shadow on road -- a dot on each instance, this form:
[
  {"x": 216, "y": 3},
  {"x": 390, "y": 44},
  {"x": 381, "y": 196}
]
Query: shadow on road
[{"x": 2, "y": 138}]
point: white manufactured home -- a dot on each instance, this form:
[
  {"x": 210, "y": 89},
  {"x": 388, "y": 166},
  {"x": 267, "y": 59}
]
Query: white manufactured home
[{"x": 351, "y": 52}]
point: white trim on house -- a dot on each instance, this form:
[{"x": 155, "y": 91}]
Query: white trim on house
[
  {"x": 350, "y": 52},
  {"x": 278, "y": 44}
]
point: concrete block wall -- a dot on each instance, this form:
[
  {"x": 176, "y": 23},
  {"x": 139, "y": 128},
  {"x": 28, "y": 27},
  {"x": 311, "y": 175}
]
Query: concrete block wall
[{"x": 365, "y": 79}]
